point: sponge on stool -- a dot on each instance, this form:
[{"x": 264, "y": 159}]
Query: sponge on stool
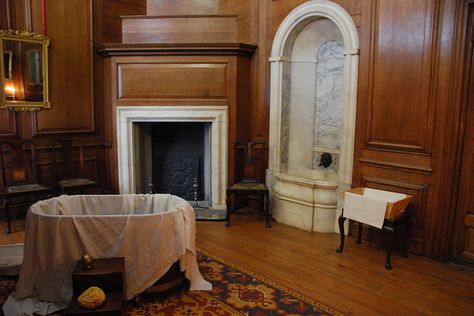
[{"x": 91, "y": 298}]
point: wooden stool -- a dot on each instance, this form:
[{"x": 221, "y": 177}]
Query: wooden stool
[
  {"x": 389, "y": 225},
  {"x": 109, "y": 275}
]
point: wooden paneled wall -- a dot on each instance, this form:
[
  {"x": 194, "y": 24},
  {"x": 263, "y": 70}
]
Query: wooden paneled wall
[
  {"x": 70, "y": 68},
  {"x": 68, "y": 25},
  {"x": 408, "y": 112},
  {"x": 394, "y": 143},
  {"x": 403, "y": 112}
]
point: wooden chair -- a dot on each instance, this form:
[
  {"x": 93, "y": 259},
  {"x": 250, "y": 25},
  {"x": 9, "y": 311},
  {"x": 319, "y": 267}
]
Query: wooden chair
[
  {"x": 19, "y": 177},
  {"x": 248, "y": 184},
  {"x": 69, "y": 178}
]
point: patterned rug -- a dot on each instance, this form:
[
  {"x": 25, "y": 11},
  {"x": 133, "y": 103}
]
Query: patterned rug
[{"x": 236, "y": 291}]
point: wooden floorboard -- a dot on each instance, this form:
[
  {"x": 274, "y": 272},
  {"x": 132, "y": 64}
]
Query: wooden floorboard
[{"x": 354, "y": 282}]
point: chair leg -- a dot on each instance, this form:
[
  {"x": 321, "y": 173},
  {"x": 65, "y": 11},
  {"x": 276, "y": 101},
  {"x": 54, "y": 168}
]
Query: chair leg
[
  {"x": 393, "y": 233},
  {"x": 228, "y": 211},
  {"x": 341, "y": 221},
  {"x": 6, "y": 209},
  {"x": 359, "y": 236},
  {"x": 266, "y": 209}
]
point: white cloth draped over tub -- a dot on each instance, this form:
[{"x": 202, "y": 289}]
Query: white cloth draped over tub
[{"x": 150, "y": 231}]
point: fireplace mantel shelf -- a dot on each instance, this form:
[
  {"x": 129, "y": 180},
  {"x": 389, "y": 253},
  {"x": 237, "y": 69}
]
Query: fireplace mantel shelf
[{"x": 119, "y": 49}]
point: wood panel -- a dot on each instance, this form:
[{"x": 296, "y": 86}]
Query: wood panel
[
  {"x": 407, "y": 112},
  {"x": 243, "y": 99},
  {"x": 70, "y": 64},
  {"x": 9, "y": 19},
  {"x": 107, "y": 21},
  {"x": 178, "y": 7},
  {"x": 68, "y": 25},
  {"x": 393, "y": 150},
  {"x": 180, "y": 29},
  {"x": 399, "y": 114},
  {"x": 93, "y": 157},
  {"x": 93, "y": 161},
  {"x": 8, "y": 124},
  {"x": 172, "y": 81},
  {"x": 5, "y": 23},
  {"x": 247, "y": 13}
]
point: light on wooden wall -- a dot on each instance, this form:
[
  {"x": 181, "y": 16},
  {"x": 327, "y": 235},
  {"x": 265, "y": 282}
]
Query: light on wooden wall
[{"x": 9, "y": 89}]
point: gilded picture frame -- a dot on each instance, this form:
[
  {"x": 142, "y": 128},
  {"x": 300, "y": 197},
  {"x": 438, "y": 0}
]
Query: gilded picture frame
[{"x": 25, "y": 71}]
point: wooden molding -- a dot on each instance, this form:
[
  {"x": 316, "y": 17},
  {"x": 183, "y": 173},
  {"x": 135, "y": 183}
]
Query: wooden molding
[
  {"x": 397, "y": 166},
  {"x": 214, "y": 49}
]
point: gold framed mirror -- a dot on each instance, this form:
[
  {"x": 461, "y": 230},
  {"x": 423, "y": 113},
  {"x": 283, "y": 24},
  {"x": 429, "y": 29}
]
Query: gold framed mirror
[{"x": 25, "y": 71}]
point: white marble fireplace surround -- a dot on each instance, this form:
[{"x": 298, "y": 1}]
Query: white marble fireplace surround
[
  {"x": 216, "y": 115},
  {"x": 303, "y": 194}
]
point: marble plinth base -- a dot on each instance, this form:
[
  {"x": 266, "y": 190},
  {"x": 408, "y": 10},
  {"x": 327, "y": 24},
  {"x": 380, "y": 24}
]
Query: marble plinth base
[{"x": 303, "y": 203}]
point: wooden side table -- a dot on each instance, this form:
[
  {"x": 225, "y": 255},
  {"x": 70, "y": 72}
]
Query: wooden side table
[
  {"x": 109, "y": 275},
  {"x": 389, "y": 225}
]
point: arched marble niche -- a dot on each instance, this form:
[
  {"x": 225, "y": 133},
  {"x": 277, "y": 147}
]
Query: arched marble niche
[
  {"x": 312, "y": 114},
  {"x": 312, "y": 102}
]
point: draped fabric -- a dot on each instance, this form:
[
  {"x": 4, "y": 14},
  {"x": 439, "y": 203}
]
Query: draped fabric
[{"x": 150, "y": 231}]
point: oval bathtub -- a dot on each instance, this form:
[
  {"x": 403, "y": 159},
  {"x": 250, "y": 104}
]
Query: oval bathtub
[{"x": 150, "y": 231}]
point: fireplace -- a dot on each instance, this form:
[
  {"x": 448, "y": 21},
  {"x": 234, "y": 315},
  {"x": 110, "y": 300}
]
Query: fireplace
[
  {"x": 174, "y": 157},
  {"x": 178, "y": 146}
]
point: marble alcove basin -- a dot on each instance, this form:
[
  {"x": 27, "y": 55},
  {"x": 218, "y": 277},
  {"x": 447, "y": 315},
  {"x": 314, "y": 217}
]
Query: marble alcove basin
[{"x": 312, "y": 114}]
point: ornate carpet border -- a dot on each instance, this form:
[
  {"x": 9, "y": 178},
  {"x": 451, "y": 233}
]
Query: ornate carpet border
[{"x": 296, "y": 294}]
